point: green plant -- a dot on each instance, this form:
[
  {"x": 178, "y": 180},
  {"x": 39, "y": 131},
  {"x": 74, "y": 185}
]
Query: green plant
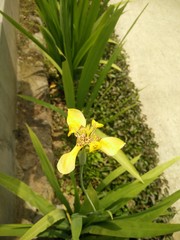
[
  {"x": 75, "y": 34},
  {"x": 94, "y": 215},
  {"x": 119, "y": 107}
]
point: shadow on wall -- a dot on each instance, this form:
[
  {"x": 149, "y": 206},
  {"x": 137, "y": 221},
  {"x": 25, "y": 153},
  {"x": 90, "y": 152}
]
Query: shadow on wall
[{"x": 8, "y": 59}]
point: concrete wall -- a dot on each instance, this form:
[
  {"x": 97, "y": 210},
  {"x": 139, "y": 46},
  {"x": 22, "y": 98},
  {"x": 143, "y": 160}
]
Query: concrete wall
[{"x": 8, "y": 59}]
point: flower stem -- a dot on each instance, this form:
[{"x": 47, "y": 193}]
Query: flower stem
[
  {"x": 76, "y": 193},
  {"x": 82, "y": 158}
]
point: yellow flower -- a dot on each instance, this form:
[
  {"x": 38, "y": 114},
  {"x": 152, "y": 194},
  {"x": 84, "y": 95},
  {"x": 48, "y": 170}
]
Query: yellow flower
[{"x": 85, "y": 137}]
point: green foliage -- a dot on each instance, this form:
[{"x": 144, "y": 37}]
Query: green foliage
[
  {"x": 98, "y": 215},
  {"x": 75, "y": 46},
  {"x": 119, "y": 95}
]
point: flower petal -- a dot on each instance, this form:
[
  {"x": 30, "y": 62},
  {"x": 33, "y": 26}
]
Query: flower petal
[
  {"x": 111, "y": 145},
  {"x": 75, "y": 120},
  {"x": 93, "y": 146},
  {"x": 96, "y": 124},
  {"x": 66, "y": 163}
]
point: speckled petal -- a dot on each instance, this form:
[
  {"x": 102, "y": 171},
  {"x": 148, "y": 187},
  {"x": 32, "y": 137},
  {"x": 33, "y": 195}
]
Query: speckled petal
[
  {"x": 66, "y": 163},
  {"x": 95, "y": 145},
  {"x": 75, "y": 120},
  {"x": 111, "y": 145}
]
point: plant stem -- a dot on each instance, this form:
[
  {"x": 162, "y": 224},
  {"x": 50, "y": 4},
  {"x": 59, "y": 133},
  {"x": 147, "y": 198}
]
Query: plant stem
[{"x": 76, "y": 193}]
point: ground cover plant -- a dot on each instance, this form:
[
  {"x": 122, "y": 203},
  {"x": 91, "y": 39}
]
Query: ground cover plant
[{"x": 98, "y": 209}]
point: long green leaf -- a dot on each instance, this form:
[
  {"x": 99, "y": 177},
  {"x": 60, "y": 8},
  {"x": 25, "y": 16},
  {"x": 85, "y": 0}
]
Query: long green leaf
[
  {"x": 155, "y": 211},
  {"x": 111, "y": 60},
  {"x": 102, "y": 238},
  {"x": 76, "y": 226},
  {"x": 89, "y": 16},
  {"x": 122, "y": 159},
  {"x": 14, "y": 230},
  {"x": 43, "y": 103},
  {"x": 66, "y": 26},
  {"x": 18, "y": 230},
  {"x": 23, "y": 191},
  {"x": 52, "y": 47},
  {"x": 43, "y": 224},
  {"x": 125, "y": 162},
  {"x": 30, "y": 36},
  {"x": 132, "y": 229},
  {"x": 102, "y": 77},
  {"x": 86, "y": 207},
  {"x": 48, "y": 169},
  {"x": 116, "y": 199},
  {"x": 114, "y": 174},
  {"x": 92, "y": 39},
  {"x": 94, "y": 57},
  {"x": 49, "y": 13},
  {"x": 68, "y": 85},
  {"x": 135, "y": 21}
]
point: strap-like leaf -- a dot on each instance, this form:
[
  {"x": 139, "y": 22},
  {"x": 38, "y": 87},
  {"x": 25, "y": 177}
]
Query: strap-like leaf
[
  {"x": 155, "y": 211},
  {"x": 14, "y": 230},
  {"x": 68, "y": 85},
  {"x": 86, "y": 206},
  {"x": 114, "y": 174},
  {"x": 23, "y": 191},
  {"x": 18, "y": 230},
  {"x": 102, "y": 77},
  {"x": 76, "y": 226},
  {"x": 30, "y": 36},
  {"x": 44, "y": 104},
  {"x": 44, "y": 223},
  {"x": 95, "y": 55},
  {"x": 48, "y": 169},
  {"x": 132, "y": 229},
  {"x": 123, "y": 159},
  {"x": 118, "y": 198}
]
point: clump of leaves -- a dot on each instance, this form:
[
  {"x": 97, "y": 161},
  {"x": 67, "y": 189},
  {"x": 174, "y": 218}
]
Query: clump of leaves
[{"x": 119, "y": 108}]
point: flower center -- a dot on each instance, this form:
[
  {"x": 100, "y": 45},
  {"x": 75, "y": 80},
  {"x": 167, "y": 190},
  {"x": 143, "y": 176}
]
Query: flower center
[{"x": 86, "y": 135}]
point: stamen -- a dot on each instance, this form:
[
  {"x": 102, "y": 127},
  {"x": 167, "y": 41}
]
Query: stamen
[{"x": 86, "y": 135}]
